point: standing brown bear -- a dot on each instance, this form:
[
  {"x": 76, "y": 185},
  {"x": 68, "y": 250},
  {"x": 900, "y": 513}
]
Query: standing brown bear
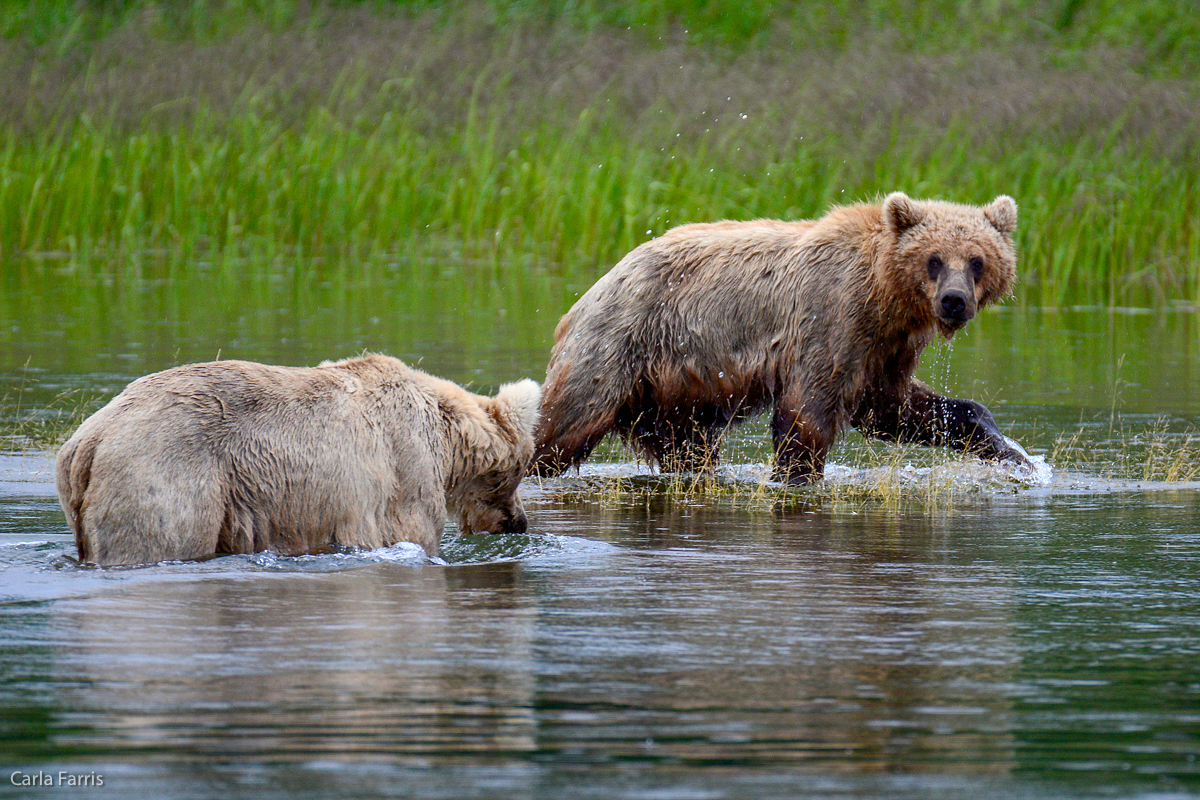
[
  {"x": 822, "y": 319},
  {"x": 238, "y": 457}
]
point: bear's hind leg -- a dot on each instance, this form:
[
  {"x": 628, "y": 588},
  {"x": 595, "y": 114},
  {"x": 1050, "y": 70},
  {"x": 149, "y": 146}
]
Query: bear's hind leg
[
  {"x": 555, "y": 456},
  {"x": 158, "y": 523},
  {"x": 574, "y": 417},
  {"x": 565, "y": 440},
  {"x": 801, "y": 447}
]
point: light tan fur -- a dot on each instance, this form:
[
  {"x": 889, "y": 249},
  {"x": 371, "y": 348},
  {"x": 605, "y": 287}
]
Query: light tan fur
[
  {"x": 238, "y": 457},
  {"x": 822, "y": 319}
]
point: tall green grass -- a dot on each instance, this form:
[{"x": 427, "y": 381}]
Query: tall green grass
[
  {"x": 1102, "y": 225},
  {"x": 482, "y": 155}
]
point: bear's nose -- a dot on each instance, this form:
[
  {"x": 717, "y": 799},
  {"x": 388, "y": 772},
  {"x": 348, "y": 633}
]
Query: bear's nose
[
  {"x": 954, "y": 305},
  {"x": 517, "y": 523}
]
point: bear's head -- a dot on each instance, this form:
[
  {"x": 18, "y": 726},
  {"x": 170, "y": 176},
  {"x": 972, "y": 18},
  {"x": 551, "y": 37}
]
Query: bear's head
[
  {"x": 499, "y": 450},
  {"x": 956, "y": 258}
]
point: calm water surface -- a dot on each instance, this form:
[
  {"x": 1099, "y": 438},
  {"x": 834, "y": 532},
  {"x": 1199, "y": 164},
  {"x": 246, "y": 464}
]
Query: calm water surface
[{"x": 1035, "y": 639}]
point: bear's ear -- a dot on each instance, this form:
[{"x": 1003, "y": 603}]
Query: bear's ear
[
  {"x": 1002, "y": 213},
  {"x": 522, "y": 399},
  {"x": 901, "y": 212}
]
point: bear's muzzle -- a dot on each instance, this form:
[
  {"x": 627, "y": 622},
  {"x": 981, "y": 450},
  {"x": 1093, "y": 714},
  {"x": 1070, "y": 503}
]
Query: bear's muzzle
[{"x": 955, "y": 308}]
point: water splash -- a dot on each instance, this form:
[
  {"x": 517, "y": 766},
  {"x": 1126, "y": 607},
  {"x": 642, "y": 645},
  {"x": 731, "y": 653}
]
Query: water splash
[
  {"x": 1038, "y": 473},
  {"x": 337, "y": 559}
]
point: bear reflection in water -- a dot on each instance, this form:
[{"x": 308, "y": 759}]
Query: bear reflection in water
[{"x": 822, "y": 320}]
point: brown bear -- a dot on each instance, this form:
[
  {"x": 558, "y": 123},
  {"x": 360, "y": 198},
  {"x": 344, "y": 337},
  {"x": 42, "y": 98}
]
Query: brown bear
[
  {"x": 238, "y": 457},
  {"x": 822, "y": 319}
]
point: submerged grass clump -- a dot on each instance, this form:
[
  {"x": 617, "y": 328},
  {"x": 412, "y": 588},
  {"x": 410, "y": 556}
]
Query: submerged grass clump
[
  {"x": 42, "y": 429},
  {"x": 870, "y": 474},
  {"x": 1149, "y": 451},
  {"x": 867, "y": 474}
]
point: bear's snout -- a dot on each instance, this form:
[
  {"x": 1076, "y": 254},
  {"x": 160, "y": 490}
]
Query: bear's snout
[
  {"x": 955, "y": 307},
  {"x": 495, "y": 519},
  {"x": 954, "y": 301},
  {"x": 518, "y": 523}
]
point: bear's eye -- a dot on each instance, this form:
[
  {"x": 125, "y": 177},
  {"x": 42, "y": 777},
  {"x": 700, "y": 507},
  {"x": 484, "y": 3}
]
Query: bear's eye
[
  {"x": 976, "y": 267},
  {"x": 935, "y": 266}
]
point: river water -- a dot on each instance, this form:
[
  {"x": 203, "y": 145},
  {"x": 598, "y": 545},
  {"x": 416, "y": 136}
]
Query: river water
[{"x": 1013, "y": 637}]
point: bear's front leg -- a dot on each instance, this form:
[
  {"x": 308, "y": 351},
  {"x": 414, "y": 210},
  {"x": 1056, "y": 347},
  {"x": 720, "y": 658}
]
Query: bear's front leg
[
  {"x": 801, "y": 447},
  {"x": 930, "y": 419}
]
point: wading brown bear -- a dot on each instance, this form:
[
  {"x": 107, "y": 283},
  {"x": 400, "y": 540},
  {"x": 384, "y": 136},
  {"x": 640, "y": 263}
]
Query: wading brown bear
[
  {"x": 823, "y": 320},
  {"x": 237, "y": 457}
]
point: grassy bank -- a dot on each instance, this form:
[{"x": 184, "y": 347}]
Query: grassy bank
[{"x": 559, "y": 137}]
